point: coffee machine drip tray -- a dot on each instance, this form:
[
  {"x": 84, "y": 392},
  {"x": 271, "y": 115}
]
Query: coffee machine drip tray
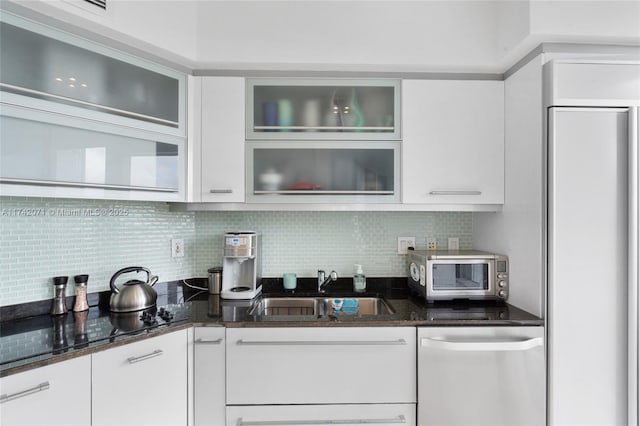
[{"x": 237, "y": 289}]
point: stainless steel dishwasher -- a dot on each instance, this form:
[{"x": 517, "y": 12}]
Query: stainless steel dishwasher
[{"x": 481, "y": 376}]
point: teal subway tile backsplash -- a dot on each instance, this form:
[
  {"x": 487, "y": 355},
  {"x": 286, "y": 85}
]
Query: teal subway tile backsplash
[
  {"x": 304, "y": 242},
  {"x": 41, "y": 238}
]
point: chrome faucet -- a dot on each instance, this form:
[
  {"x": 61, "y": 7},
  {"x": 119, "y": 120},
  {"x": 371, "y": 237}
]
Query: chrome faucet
[{"x": 323, "y": 280}]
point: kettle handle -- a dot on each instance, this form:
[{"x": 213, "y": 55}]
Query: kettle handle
[{"x": 128, "y": 269}]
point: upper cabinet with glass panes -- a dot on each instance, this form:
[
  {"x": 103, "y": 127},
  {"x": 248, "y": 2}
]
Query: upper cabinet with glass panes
[
  {"x": 323, "y": 109},
  {"x": 47, "y": 69}
]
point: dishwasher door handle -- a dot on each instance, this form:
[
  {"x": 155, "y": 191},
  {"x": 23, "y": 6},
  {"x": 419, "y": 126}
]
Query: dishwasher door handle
[{"x": 514, "y": 344}]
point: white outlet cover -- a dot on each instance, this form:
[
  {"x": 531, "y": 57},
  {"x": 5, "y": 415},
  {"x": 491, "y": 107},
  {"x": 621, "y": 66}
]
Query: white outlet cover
[
  {"x": 404, "y": 243},
  {"x": 431, "y": 243}
]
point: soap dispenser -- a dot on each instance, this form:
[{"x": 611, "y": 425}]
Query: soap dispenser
[{"x": 359, "y": 280}]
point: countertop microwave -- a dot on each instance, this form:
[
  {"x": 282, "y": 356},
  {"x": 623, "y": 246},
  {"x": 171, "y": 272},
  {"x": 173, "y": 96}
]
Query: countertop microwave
[{"x": 458, "y": 274}]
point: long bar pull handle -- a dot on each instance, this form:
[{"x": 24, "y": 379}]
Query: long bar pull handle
[
  {"x": 6, "y": 397},
  {"x": 221, "y": 191},
  {"x": 455, "y": 193},
  {"x": 396, "y": 420},
  {"x": 208, "y": 342},
  {"x": 99, "y": 107},
  {"x": 321, "y": 342},
  {"x": 483, "y": 345},
  {"x": 134, "y": 359},
  {"x": 20, "y": 181}
]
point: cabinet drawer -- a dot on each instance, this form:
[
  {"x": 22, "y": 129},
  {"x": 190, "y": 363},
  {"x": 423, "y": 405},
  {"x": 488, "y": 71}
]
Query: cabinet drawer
[
  {"x": 321, "y": 365},
  {"x": 380, "y": 414},
  {"x": 36, "y": 397},
  {"x": 142, "y": 383}
]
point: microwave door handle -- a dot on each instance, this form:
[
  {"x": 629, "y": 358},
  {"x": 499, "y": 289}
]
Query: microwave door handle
[{"x": 482, "y": 345}]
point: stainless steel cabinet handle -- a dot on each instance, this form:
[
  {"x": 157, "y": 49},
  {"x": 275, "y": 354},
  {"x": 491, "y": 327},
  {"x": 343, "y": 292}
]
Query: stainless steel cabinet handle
[
  {"x": 99, "y": 107},
  {"x": 221, "y": 191},
  {"x": 208, "y": 342},
  {"x": 20, "y": 181},
  {"x": 483, "y": 345},
  {"x": 321, "y": 342},
  {"x": 11, "y": 396},
  {"x": 396, "y": 420},
  {"x": 134, "y": 359},
  {"x": 455, "y": 193}
]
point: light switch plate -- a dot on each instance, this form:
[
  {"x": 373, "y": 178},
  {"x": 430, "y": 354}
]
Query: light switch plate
[
  {"x": 454, "y": 243},
  {"x": 177, "y": 247}
]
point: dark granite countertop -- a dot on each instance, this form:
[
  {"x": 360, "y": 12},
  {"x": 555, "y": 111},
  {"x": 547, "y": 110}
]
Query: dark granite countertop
[{"x": 32, "y": 338}]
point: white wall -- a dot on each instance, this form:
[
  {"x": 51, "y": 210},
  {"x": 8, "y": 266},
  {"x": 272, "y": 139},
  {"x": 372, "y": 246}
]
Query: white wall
[
  {"x": 376, "y": 35},
  {"x": 405, "y": 35}
]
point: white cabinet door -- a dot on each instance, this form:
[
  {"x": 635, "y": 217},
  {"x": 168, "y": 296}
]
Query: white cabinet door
[
  {"x": 321, "y": 365},
  {"x": 209, "y": 373},
  {"x": 379, "y": 414},
  {"x": 453, "y": 142},
  {"x": 222, "y": 125},
  {"x": 141, "y": 383},
  {"x": 38, "y": 397}
]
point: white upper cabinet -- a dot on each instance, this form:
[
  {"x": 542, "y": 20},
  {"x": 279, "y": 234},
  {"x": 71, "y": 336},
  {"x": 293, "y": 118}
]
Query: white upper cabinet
[
  {"x": 453, "y": 142},
  {"x": 81, "y": 120},
  {"x": 51, "y": 70},
  {"x": 222, "y": 153}
]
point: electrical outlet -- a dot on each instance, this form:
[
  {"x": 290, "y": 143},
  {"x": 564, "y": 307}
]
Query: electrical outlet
[
  {"x": 177, "y": 248},
  {"x": 431, "y": 243},
  {"x": 404, "y": 243},
  {"x": 454, "y": 243}
]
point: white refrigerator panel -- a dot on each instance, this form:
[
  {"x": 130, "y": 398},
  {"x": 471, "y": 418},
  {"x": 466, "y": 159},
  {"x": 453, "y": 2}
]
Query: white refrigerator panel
[{"x": 588, "y": 260}]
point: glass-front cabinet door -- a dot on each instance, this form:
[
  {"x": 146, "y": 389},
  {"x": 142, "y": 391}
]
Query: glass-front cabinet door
[
  {"x": 323, "y": 171},
  {"x": 66, "y": 152},
  {"x": 79, "y": 119},
  {"x": 48, "y": 69},
  {"x": 323, "y": 109}
]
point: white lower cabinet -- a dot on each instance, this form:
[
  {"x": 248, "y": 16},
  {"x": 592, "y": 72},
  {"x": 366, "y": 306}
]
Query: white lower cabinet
[
  {"x": 379, "y": 414},
  {"x": 141, "y": 383},
  {"x": 38, "y": 397},
  {"x": 209, "y": 373},
  {"x": 304, "y": 375}
]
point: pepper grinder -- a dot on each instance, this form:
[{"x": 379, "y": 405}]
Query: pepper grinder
[
  {"x": 81, "y": 303},
  {"x": 59, "y": 306}
]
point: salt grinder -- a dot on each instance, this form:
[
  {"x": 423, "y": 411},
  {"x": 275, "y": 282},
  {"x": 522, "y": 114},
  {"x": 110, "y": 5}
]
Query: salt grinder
[
  {"x": 59, "y": 306},
  {"x": 81, "y": 303}
]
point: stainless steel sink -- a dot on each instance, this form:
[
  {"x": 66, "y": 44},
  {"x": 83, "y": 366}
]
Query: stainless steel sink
[
  {"x": 315, "y": 307},
  {"x": 366, "y": 306},
  {"x": 289, "y": 306}
]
